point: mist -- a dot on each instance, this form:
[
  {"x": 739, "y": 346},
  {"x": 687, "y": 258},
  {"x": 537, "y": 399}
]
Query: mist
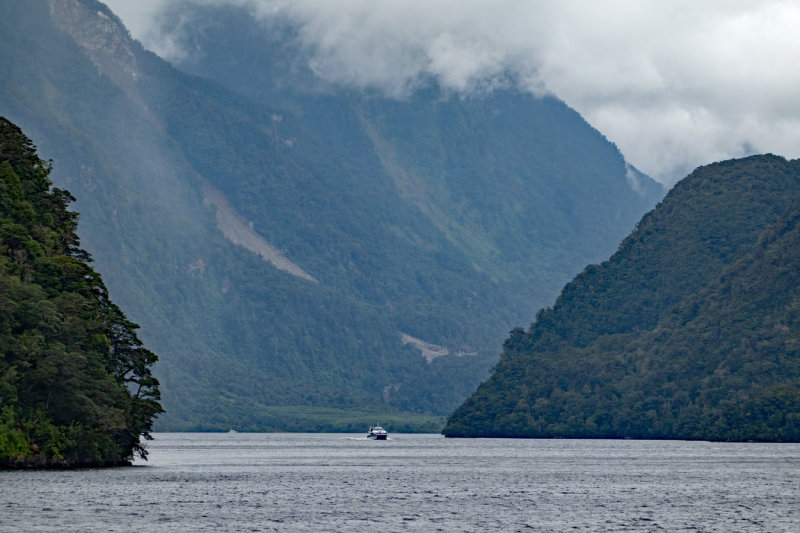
[{"x": 674, "y": 84}]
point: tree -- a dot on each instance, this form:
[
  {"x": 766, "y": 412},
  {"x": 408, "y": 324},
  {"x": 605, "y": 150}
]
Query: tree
[{"x": 76, "y": 386}]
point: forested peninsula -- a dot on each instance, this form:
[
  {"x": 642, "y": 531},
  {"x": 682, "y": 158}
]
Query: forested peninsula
[
  {"x": 75, "y": 381},
  {"x": 690, "y": 331}
]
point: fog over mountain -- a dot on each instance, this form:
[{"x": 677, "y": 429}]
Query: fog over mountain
[
  {"x": 673, "y": 84},
  {"x": 303, "y": 255}
]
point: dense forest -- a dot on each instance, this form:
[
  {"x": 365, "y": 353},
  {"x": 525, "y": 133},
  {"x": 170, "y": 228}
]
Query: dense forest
[
  {"x": 691, "y": 330},
  {"x": 438, "y": 218},
  {"x": 76, "y": 387}
]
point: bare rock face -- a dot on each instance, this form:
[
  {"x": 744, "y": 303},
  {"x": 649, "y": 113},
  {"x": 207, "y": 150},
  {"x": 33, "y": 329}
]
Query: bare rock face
[
  {"x": 104, "y": 38},
  {"x": 240, "y": 232}
]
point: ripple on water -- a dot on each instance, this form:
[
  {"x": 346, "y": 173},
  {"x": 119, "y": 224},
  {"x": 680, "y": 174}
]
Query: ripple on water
[{"x": 292, "y": 482}]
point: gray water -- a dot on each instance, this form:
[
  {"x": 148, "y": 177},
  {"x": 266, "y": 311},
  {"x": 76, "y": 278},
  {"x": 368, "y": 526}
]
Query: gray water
[{"x": 334, "y": 482}]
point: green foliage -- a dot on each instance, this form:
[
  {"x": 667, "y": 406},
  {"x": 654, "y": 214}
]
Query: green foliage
[
  {"x": 14, "y": 442},
  {"x": 304, "y": 418},
  {"x": 442, "y": 218},
  {"x": 75, "y": 382},
  {"x": 689, "y": 331}
]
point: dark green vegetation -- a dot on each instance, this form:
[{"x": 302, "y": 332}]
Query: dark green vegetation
[
  {"x": 75, "y": 381},
  {"x": 305, "y": 419},
  {"x": 445, "y": 219},
  {"x": 691, "y": 330}
]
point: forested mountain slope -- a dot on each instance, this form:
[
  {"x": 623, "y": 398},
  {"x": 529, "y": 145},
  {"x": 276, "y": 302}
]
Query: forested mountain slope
[
  {"x": 288, "y": 255},
  {"x": 75, "y": 381},
  {"x": 691, "y": 330},
  {"x": 509, "y": 179}
]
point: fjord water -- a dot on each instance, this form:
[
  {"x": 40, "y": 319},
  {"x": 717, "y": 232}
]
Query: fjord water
[{"x": 335, "y": 482}]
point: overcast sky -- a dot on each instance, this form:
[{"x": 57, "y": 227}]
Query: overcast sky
[{"x": 674, "y": 83}]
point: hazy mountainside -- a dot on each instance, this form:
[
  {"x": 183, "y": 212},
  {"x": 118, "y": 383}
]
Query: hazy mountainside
[
  {"x": 75, "y": 381},
  {"x": 491, "y": 172},
  {"x": 691, "y": 330},
  {"x": 279, "y": 250},
  {"x": 239, "y": 334}
]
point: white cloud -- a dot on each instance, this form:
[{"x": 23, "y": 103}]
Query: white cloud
[
  {"x": 138, "y": 15},
  {"x": 675, "y": 83}
]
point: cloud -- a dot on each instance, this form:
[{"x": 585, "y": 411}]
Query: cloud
[
  {"x": 674, "y": 83},
  {"x": 137, "y": 16}
]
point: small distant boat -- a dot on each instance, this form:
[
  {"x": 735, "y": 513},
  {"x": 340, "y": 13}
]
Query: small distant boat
[
  {"x": 232, "y": 431},
  {"x": 377, "y": 433}
]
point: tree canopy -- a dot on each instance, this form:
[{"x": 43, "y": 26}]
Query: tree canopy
[
  {"x": 76, "y": 387},
  {"x": 691, "y": 330}
]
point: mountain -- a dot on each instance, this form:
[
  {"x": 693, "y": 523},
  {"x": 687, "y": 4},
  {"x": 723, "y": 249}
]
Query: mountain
[
  {"x": 76, "y": 387},
  {"x": 306, "y": 259},
  {"x": 690, "y": 331}
]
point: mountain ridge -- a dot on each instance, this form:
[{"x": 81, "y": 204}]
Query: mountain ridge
[
  {"x": 244, "y": 344},
  {"x": 687, "y": 332}
]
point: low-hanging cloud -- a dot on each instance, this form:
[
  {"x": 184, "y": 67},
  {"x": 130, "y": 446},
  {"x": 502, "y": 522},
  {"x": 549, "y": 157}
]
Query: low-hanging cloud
[{"x": 674, "y": 84}]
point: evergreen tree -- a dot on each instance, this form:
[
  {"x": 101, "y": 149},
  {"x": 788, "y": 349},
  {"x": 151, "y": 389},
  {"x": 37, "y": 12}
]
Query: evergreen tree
[{"x": 75, "y": 381}]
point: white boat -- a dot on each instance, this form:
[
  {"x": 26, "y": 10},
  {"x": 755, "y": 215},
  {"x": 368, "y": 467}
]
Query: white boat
[{"x": 377, "y": 433}]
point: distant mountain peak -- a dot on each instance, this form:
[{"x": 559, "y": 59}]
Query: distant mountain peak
[
  {"x": 103, "y": 36},
  {"x": 447, "y": 218}
]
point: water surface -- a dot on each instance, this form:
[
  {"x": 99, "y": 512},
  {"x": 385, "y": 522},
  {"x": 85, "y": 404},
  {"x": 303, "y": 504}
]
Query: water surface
[{"x": 335, "y": 482}]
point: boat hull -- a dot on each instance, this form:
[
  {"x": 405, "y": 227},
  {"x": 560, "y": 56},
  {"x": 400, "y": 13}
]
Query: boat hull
[{"x": 377, "y": 433}]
